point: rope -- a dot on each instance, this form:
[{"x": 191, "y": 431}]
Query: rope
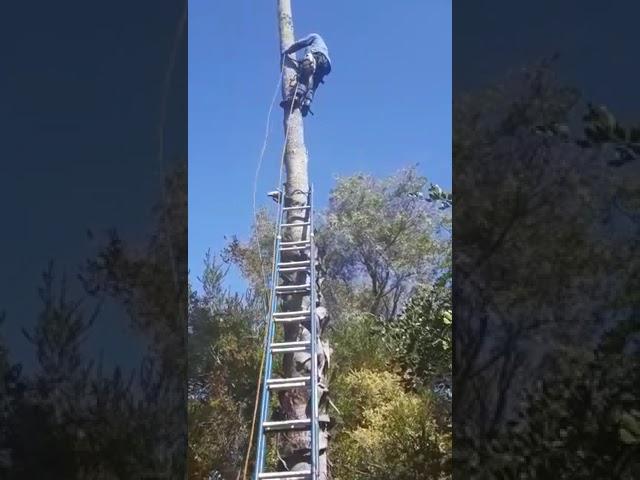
[
  {"x": 275, "y": 239},
  {"x": 255, "y": 179}
]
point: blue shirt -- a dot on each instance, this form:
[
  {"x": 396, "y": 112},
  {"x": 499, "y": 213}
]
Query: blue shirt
[{"x": 313, "y": 43}]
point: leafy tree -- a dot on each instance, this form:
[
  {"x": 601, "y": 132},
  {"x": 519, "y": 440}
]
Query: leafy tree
[
  {"x": 388, "y": 433},
  {"x": 528, "y": 319},
  {"x": 578, "y": 422},
  {"x": 421, "y": 336},
  {"x": 254, "y": 263},
  {"x": 79, "y": 422},
  {"x": 378, "y": 239},
  {"x": 359, "y": 343},
  {"x": 379, "y": 374},
  {"x": 224, "y": 357},
  {"x": 408, "y": 258},
  {"x": 148, "y": 283},
  {"x": 517, "y": 309}
]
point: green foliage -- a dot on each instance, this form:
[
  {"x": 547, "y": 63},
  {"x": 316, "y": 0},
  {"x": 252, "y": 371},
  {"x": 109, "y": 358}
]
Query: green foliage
[
  {"x": 378, "y": 237},
  {"x": 361, "y": 390},
  {"x": 528, "y": 319},
  {"x": 384, "y": 429},
  {"x": 225, "y": 348},
  {"x": 519, "y": 311},
  {"x": 77, "y": 420},
  {"x": 218, "y": 431},
  {"x": 601, "y": 128},
  {"x": 358, "y": 342},
  {"x": 224, "y": 343},
  {"x": 388, "y": 433},
  {"x": 421, "y": 336},
  {"x": 436, "y": 194},
  {"x": 254, "y": 262},
  {"x": 579, "y": 422}
]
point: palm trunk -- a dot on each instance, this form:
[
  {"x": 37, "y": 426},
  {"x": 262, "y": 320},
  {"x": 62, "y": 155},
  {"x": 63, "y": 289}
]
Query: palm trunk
[{"x": 294, "y": 447}]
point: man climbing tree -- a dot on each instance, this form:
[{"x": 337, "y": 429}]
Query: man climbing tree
[
  {"x": 315, "y": 65},
  {"x": 295, "y": 448}
]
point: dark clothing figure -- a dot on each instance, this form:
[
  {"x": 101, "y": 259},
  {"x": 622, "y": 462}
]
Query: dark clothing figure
[{"x": 312, "y": 69}]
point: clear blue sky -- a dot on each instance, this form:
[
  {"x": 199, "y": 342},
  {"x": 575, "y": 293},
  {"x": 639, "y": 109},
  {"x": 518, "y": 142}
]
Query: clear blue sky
[{"x": 385, "y": 105}]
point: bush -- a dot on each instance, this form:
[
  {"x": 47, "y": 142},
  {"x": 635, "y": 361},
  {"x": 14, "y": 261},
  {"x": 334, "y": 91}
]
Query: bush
[{"x": 388, "y": 433}]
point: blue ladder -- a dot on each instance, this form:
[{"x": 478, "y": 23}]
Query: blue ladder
[{"x": 270, "y": 383}]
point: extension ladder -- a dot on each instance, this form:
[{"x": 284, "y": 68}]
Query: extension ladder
[{"x": 270, "y": 383}]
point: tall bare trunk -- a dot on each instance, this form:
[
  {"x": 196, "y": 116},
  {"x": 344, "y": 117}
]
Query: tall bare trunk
[{"x": 294, "y": 447}]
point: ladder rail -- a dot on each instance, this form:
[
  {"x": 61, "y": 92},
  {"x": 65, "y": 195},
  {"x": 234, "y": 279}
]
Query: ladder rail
[
  {"x": 264, "y": 407},
  {"x": 268, "y": 383},
  {"x": 314, "y": 347}
]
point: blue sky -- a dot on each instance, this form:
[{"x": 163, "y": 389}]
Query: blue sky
[
  {"x": 82, "y": 119},
  {"x": 385, "y": 105}
]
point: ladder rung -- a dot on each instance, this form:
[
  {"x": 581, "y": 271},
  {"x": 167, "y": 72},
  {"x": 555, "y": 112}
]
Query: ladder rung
[
  {"x": 275, "y": 426},
  {"x": 290, "y": 475},
  {"x": 293, "y": 292},
  {"x": 304, "y": 207},
  {"x": 291, "y": 314},
  {"x": 293, "y": 269},
  {"x": 291, "y": 319},
  {"x": 287, "y": 383},
  {"x": 286, "y": 347},
  {"x": 291, "y": 249},
  {"x": 297, "y": 263},
  {"x": 292, "y": 288},
  {"x": 296, "y": 242},
  {"x": 300, "y": 224}
]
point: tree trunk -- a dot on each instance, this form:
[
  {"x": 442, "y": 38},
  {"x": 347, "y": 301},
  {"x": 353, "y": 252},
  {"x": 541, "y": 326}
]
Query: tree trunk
[{"x": 294, "y": 447}]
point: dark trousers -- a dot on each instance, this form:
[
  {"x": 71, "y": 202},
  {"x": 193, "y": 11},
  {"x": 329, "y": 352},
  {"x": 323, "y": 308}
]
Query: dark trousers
[{"x": 311, "y": 77}]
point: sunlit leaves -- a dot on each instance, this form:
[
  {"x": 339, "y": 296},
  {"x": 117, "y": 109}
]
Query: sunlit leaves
[
  {"x": 388, "y": 433},
  {"x": 421, "y": 337},
  {"x": 380, "y": 237}
]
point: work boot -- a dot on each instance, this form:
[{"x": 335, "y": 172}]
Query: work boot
[
  {"x": 306, "y": 108},
  {"x": 286, "y": 103},
  {"x": 299, "y": 100}
]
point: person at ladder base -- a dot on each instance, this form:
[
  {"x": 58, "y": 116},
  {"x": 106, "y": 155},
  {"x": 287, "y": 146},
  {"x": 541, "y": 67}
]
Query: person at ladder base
[{"x": 315, "y": 65}]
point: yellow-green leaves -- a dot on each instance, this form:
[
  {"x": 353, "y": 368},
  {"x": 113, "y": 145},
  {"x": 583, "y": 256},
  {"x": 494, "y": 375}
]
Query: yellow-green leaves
[
  {"x": 388, "y": 433},
  {"x": 383, "y": 236},
  {"x": 421, "y": 336},
  {"x": 630, "y": 427}
]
